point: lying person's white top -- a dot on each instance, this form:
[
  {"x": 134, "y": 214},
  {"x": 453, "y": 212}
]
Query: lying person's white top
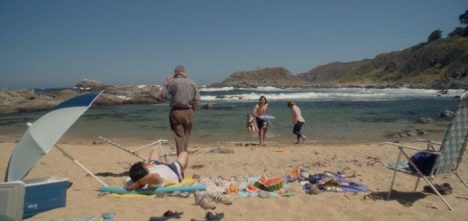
[{"x": 164, "y": 172}]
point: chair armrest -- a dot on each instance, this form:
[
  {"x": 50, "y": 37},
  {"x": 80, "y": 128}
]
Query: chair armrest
[
  {"x": 427, "y": 141},
  {"x": 412, "y": 148}
]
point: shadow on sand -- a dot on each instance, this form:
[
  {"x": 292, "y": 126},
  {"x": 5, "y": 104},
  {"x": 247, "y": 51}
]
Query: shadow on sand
[{"x": 404, "y": 198}]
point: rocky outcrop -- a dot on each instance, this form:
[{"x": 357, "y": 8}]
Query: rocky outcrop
[
  {"x": 448, "y": 114},
  {"x": 207, "y": 106},
  {"x": 25, "y": 100},
  {"x": 275, "y": 77},
  {"x": 90, "y": 85},
  {"x": 408, "y": 133},
  {"x": 424, "y": 120},
  {"x": 129, "y": 95}
]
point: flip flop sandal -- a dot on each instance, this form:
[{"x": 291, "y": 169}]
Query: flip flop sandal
[
  {"x": 167, "y": 215},
  {"x": 173, "y": 214},
  {"x": 220, "y": 198},
  {"x": 448, "y": 188},
  {"x": 443, "y": 189},
  {"x": 203, "y": 202},
  {"x": 214, "y": 216}
]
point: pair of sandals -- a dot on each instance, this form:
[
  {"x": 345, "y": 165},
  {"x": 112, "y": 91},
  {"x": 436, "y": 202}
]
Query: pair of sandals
[
  {"x": 207, "y": 200},
  {"x": 177, "y": 215},
  {"x": 211, "y": 217},
  {"x": 167, "y": 215},
  {"x": 444, "y": 189}
]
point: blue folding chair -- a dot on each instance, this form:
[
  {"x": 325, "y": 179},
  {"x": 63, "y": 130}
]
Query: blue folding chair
[{"x": 448, "y": 157}]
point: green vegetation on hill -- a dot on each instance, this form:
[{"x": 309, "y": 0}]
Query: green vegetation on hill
[
  {"x": 436, "y": 63},
  {"x": 441, "y": 63}
]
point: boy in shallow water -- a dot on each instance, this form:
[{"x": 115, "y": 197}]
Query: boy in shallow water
[{"x": 251, "y": 124}]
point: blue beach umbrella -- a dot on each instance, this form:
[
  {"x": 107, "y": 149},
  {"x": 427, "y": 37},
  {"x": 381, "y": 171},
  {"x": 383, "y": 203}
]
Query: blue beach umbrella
[{"x": 44, "y": 133}]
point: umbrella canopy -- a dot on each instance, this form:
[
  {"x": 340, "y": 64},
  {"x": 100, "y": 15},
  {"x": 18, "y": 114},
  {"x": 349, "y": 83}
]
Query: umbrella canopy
[{"x": 44, "y": 133}]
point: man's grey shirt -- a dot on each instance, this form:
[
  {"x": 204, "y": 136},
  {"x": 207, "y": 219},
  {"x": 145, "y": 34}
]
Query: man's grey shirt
[{"x": 183, "y": 92}]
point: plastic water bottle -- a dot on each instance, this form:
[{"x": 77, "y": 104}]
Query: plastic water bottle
[{"x": 108, "y": 216}]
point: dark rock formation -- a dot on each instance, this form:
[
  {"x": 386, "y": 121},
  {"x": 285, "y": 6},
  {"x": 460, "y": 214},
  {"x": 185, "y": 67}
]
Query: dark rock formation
[
  {"x": 275, "y": 77},
  {"x": 113, "y": 95},
  {"x": 207, "y": 106},
  {"x": 408, "y": 133},
  {"x": 448, "y": 114},
  {"x": 90, "y": 85},
  {"x": 424, "y": 120}
]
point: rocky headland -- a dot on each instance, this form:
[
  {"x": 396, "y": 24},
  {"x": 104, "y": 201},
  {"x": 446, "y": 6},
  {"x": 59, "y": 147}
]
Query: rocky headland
[
  {"x": 274, "y": 77},
  {"x": 438, "y": 64},
  {"x": 25, "y": 100}
]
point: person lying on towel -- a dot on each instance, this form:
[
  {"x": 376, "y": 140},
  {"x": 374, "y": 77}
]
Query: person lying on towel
[{"x": 156, "y": 174}]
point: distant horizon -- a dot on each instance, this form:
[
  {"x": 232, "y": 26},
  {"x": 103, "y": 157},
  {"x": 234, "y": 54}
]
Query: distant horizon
[{"x": 56, "y": 44}]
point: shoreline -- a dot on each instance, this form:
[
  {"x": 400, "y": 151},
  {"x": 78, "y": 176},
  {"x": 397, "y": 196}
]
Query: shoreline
[{"x": 135, "y": 141}]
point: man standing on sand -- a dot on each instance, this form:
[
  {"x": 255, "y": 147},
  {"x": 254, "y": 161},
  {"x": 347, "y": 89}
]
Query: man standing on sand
[{"x": 184, "y": 100}]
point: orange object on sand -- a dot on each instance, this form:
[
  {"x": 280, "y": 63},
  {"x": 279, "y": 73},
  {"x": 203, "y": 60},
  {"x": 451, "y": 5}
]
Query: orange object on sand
[
  {"x": 295, "y": 172},
  {"x": 233, "y": 188}
]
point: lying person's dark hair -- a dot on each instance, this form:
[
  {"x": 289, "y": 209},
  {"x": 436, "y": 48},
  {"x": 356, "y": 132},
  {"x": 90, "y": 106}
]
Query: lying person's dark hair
[{"x": 138, "y": 171}]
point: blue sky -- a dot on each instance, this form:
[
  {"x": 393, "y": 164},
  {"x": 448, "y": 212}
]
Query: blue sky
[{"x": 57, "y": 43}]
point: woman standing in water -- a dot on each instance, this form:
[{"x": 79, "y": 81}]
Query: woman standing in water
[{"x": 259, "y": 111}]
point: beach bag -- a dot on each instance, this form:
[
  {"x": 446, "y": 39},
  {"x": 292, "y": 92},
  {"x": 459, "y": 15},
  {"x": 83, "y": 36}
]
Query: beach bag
[{"x": 424, "y": 161}]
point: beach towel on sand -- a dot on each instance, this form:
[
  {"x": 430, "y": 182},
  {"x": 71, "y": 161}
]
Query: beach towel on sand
[{"x": 332, "y": 182}]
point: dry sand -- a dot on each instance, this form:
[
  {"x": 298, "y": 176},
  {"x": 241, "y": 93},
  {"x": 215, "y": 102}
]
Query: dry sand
[{"x": 365, "y": 159}]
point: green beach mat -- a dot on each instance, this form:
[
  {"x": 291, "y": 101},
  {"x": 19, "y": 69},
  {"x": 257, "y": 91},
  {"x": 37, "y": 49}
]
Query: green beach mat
[{"x": 160, "y": 190}]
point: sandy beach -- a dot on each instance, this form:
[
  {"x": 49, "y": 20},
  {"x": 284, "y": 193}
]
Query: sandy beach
[{"x": 365, "y": 160}]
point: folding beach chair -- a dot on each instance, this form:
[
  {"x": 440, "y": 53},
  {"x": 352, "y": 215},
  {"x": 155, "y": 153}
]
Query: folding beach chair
[
  {"x": 159, "y": 142},
  {"x": 448, "y": 157}
]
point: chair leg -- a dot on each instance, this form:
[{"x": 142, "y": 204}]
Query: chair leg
[
  {"x": 428, "y": 182},
  {"x": 163, "y": 150},
  {"x": 438, "y": 194},
  {"x": 394, "y": 175},
  {"x": 416, "y": 186},
  {"x": 461, "y": 179}
]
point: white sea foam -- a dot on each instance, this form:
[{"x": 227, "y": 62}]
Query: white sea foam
[
  {"x": 123, "y": 97},
  {"x": 206, "y": 89},
  {"x": 267, "y": 88},
  {"x": 353, "y": 94}
]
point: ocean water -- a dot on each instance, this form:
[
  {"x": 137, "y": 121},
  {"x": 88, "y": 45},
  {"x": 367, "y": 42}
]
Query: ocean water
[{"x": 332, "y": 115}]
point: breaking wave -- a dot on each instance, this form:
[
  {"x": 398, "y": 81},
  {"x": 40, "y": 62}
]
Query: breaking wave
[{"x": 352, "y": 94}]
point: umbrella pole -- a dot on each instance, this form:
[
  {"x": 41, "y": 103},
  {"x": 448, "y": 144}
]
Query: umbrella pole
[{"x": 81, "y": 165}]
